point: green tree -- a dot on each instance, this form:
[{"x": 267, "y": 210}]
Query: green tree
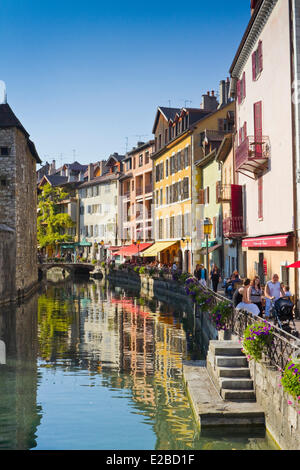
[{"x": 52, "y": 224}]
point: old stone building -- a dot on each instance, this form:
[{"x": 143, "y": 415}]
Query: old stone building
[{"x": 18, "y": 205}]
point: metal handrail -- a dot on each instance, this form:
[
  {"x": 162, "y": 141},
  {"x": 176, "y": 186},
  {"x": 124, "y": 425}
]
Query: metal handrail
[{"x": 284, "y": 345}]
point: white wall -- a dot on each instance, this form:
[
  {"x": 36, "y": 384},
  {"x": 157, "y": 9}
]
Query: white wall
[{"x": 273, "y": 88}]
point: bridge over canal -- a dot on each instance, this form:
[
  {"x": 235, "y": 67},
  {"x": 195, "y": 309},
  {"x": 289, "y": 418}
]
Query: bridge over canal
[{"x": 72, "y": 268}]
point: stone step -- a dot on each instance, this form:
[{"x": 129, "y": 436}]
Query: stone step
[
  {"x": 233, "y": 372},
  {"x": 225, "y": 348},
  {"x": 236, "y": 383},
  {"x": 238, "y": 395},
  {"x": 231, "y": 361}
]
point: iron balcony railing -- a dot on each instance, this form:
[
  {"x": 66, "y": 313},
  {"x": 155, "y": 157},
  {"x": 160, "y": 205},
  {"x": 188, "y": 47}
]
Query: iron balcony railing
[
  {"x": 252, "y": 155},
  {"x": 234, "y": 227}
]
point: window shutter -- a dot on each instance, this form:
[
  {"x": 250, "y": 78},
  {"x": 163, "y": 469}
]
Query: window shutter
[
  {"x": 260, "y": 197},
  {"x": 245, "y": 131},
  {"x": 258, "y": 128},
  {"x": 260, "y": 56},
  {"x": 182, "y": 160},
  {"x": 239, "y": 91},
  {"x": 254, "y": 66},
  {"x": 244, "y": 85},
  {"x": 201, "y": 196},
  {"x": 221, "y": 125}
]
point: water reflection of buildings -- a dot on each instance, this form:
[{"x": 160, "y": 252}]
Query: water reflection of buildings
[
  {"x": 145, "y": 344},
  {"x": 19, "y": 413}
]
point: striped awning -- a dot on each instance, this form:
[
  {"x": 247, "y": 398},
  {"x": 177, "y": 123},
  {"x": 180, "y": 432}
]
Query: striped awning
[{"x": 157, "y": 248}]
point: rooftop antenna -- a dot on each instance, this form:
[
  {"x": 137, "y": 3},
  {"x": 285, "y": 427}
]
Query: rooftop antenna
[
  {"x": 61, "y": 159},
  {"x": 169, "y": 101},
  {"x": 187, "y": 101},
  {"x": 140, "y": 136}
]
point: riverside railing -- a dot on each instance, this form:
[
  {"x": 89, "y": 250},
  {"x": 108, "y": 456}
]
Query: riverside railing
[{"x": 284, "y": 344}]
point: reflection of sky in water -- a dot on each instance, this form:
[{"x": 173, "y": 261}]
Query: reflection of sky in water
[{"x": 110, "y": 374}]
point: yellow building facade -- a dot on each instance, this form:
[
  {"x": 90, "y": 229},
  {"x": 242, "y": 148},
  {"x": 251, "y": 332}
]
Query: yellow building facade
[{"x": 184, "y": 137}]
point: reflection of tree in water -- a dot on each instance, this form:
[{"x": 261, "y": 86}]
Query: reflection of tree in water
[{"x": 56, "y": 314}]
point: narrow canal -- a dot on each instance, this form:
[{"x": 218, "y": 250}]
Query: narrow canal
[{"x": 91, "y": 366}]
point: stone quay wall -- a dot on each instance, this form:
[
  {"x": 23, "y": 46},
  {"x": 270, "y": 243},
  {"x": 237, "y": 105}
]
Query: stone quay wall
[{"x": 282, "y": 419}]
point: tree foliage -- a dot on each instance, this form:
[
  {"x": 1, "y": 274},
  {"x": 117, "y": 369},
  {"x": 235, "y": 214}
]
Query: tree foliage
[{"x": 52, "y": 224}]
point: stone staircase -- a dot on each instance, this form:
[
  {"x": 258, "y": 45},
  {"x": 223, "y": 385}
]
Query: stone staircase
[{"x": 228, "y": 369}]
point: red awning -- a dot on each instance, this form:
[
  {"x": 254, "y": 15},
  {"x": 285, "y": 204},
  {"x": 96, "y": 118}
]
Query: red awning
[
  {"x": 266, "y": 242},
  {"x": 294, "y": 265},
  {"x": 132, "y": 250}
]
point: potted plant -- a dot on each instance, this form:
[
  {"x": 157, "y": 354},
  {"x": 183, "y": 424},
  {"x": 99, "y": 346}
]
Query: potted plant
[{"x": 257, "y": 338}]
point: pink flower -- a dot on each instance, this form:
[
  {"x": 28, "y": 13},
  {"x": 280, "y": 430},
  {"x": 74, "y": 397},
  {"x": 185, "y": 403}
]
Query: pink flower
[
  {"x": 298, "y": 398},
  {"x": 290, "y": 402}
]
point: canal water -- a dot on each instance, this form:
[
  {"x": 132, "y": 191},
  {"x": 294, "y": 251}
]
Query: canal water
[{"x": 92, "y": 366}]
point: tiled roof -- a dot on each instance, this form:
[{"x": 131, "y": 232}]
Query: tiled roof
[{"x": 9, "y": 119}]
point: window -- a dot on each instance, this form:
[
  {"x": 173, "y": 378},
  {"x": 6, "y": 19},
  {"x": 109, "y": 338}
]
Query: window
[
  {"x": 81, "y": 210},
  {"x": 167, "y": 168},
  {"x": 3, "y": 182},
  {"x": 186, "y": 157},
  {"x": 141, "y": 160},
  {"x": 243, "y": 133},
  {"x": 128, "y": 164},
  {"x": 4, "y": 151},
  {"x": 160, "y": 229},
  {"x": 166, "y": 136},
  {"x": 159, "y": 141},
  {"x": 147, "y": 158},
  {"x": 241, "y": 89},
  {"x": 161, "y": 197},
  {"x": 257, "y": 62},
  {"x": 179, "y": 161},
  {"x": 206, "y": 195}
]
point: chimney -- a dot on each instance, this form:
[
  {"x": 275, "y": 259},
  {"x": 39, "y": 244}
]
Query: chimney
[
  {"x": 90, "y": 171},
  {"x": 209, "y": 103},
  {"x": 227, "y": 90},
  {"x": 52, "y": 168},
  {"x": 222, "y": 93},
  {"x": 102, "y": 166}
]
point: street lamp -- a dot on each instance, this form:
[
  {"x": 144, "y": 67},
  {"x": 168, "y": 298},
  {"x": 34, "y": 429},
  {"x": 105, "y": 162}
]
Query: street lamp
[{"x": 207, "y": 225}]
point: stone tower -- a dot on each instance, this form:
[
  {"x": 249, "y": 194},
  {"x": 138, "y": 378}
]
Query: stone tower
[{"x": 18, "y": 208}]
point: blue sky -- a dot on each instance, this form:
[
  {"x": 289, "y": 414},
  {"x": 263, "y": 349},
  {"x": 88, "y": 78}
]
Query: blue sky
[{"x": 86, "y": 77}]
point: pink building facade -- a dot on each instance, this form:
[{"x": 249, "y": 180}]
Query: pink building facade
[
  {"x": 135, "y": 196},
  {"x": 264, "y": 157}
]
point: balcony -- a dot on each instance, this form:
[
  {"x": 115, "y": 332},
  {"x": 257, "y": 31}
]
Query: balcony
[
  {"x": 252, "y": 156},
  {"x": 223, "y": 192},
  {"x": 234, "y": 227}
]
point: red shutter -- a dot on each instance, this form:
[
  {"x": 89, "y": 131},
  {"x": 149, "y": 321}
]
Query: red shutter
[
  {"x": 258, "y": 128},
  {"x": 244, "y": 85},
  {"x": 254, "y": 66},
  {"x": 260, "y": 56},
  {"x": 236, "y": 200},
  {"x": 245, "y": 131},
  {"x": 238, "y": 86},
  {"x": 240, "y": 136},
  {"x": 260, "y": 197}
]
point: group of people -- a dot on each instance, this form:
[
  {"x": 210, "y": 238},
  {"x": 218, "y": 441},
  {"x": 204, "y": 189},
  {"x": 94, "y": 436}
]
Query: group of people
[
  {"x": 250, "y": 295},
  {"x": 246, "y": 294},
  {"x": 200, "y": 273}
]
